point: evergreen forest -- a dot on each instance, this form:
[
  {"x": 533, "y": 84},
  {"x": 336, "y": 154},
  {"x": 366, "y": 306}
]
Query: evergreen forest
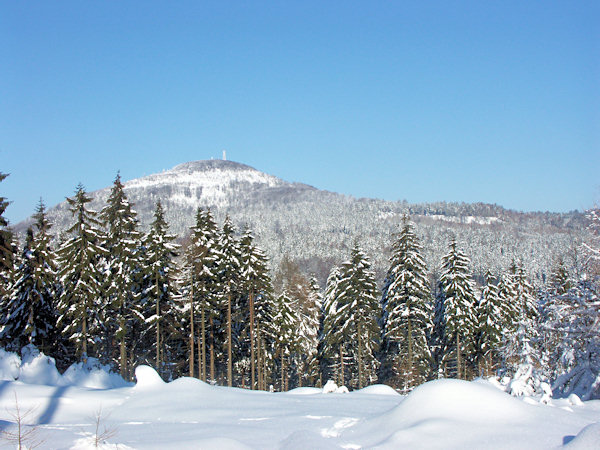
[{"x": 208, "y": 304}]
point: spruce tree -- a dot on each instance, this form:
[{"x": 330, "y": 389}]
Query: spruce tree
[
  {"x": 331, "y": 338},
  {"x": 206, "y": 238},
  {"x": 310, "y": 324},
  {"x": 457, "y": 292},
  {"x": 490, "y": 326},
  {"x": 407, "y": 311},
  {"x": 122, "y": 242},
  {"x": 31, "y": 311},
  {"x": 159, "y": 287},
  {"x": 6, "y": 256},
  {"x": 228, "y": 270},
  {"x": 285, "y": 336},
  {"x": 255, "y": 285},
  {"x": 81, "y": 312},
  {"x": 520, "y": 333},
  {"x": 358, "y": 310}
]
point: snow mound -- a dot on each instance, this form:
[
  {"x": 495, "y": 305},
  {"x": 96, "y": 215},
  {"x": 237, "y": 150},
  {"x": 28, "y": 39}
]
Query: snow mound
[
  {"x": 588, "y": 438},
  {"x": 378, "y": 389},
  {"x": 147, "y": 377},
  {"x": 304, "y": 391},
  {"x": 332, "y": 388},
  {"x": 188, "y": 384},
  {"x": 222, "y": 443},
  {"x": 92, "y": 374},
  {"x": 575, "y": 400},
  {"x": 10, "y": 365},
  {"x": 306, "y": 439},
  {"x": 37, "y": 368},
  {"x": 461, "y": 400}
]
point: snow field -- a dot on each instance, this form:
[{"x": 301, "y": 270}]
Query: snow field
[{"x": 190, "y": 414}]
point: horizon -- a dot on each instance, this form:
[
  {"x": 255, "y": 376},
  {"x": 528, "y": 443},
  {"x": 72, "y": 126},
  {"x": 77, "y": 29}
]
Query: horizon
[{"x": 476, "y": 103}]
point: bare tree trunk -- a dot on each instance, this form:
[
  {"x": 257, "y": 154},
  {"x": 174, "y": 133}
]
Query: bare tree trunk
[
  {"x": 229, "y": 347},
  {"x": 192, "y": 329},
  {"x": 123, "y": 351},
  {"x": 458, "y": 357},
  {"x": 341, "y": 365},
  {"x": 360, "y": 370},
  {"x": 282, "y": 370},
  {"x": 158, "y": 368},
  {"x": 410, "y": 354},
  {"x": 252, "y": 368},
  {"x": 84, "y": 335},
  {"x": 212, "y": 352},
  {"x": 202, "y": 347}
]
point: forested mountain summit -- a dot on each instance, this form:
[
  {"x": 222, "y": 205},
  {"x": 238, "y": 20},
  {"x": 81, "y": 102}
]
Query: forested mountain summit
[{"x": 317, "y": 228}]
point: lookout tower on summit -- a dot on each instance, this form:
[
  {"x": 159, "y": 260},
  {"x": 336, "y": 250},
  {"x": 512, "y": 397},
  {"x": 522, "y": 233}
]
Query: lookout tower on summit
[{"x": 224, "y": 155}]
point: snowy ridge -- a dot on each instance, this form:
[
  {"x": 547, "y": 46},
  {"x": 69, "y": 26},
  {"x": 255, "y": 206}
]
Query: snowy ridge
[{"x": 203, "y": 182}]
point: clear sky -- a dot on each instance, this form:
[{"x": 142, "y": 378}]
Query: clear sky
[{"x": 495, "y": 102}]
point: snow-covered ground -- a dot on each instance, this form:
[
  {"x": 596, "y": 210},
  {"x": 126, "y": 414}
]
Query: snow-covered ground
[{"x": 187, "y": 413}]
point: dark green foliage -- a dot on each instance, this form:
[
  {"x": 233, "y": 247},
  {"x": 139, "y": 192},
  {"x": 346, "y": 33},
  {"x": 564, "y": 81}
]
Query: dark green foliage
[
  {"x": 351, "y": 332},
  {"x": 81, "y": 310},
  {"x": 158, "y": 295},
  {"x": 407, "y": 313},
  {"x": 457, "y": 295},
  {"x": 31, "y": 317},
  {"x": 121, "y": 291}
]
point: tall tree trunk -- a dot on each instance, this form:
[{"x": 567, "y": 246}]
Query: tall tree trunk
[
  {"x": 202, "y": 347},
  {"x": 84, "y": 335},
  {"x": 158, "y": 365},
  {"x": 341, "y": 365},
  {"x": 259, "y": 358},
  {"x": 458, "y": 357},
  {"x": 282, "y": 370},
  {"x": 123, "y": 350},
  {"x": 229, "y": 346},
  {"x": 252, "y": 368},
  {"x": 192, "y": 329},
  {"x": 360, "y": 370},
  {"x": 410, "y": 354},
  {"x": 212, "y": 351}
]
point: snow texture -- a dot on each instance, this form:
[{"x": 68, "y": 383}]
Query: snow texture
[{"x": 190, "y": 414}]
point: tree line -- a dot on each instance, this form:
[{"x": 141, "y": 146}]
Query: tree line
[{"x": 210, "y": 307}]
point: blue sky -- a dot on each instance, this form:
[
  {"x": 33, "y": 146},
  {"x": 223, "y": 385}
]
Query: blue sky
[{"x": 495, "y": 102}]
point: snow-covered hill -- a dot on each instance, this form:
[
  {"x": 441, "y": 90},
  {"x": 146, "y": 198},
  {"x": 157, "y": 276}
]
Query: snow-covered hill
[{"x": 317, "y": 228}]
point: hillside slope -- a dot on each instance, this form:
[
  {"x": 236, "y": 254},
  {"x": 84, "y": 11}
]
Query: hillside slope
[{"x": 317, "y": 228}]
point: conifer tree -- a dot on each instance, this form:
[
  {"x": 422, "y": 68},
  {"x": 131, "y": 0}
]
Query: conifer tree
[
  {"x": 310, "y": 324},
  {"x": 122, "y": 242},
  {"x": 407, "y": 310},
  {"x": 255, "y": 284},
  {"x": 285, "y": 334},
  {"x": 6, "y": 255},
  {"x": 520, "y": 334},
  {"x": 206, "y": 238},
  {"x": 228, "y": 274},
  {"x": 80, "y": 307},
  {"x": 358, "y": 310},
  {"x": 331, "y": 338},
  {"x": 560, "y": 281},
  {"x": 459, "y": 306},
  {"x": 490, "y": 326},
  {"x": 31, "y": 311},
  {"x": 159, "y": 293}
]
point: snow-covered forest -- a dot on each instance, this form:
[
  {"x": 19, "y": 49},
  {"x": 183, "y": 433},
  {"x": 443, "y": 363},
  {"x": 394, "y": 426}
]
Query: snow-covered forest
[{"x": 211, "y": 307}]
